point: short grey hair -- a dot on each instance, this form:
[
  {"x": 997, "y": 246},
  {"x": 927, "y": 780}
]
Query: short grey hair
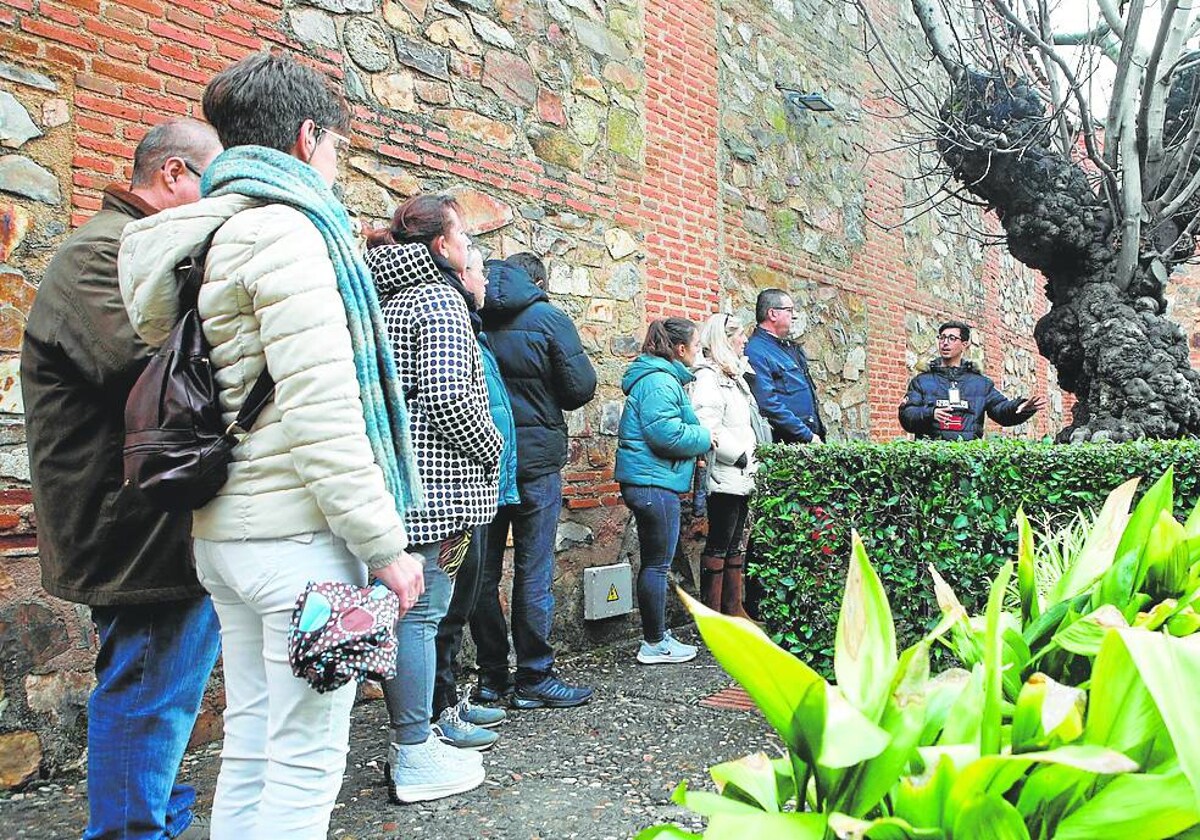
[
  {"x": 768, "y": 299},
  {"x": 189, "y": 139}
]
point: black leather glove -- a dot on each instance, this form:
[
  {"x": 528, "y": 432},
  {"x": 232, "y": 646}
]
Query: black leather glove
[{"x": 742, "y": 462}]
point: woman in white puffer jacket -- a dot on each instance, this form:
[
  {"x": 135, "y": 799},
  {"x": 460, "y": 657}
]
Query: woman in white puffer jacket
[
  {"x": 319, "y": 485},
  {"x": 725, "y": 405}
]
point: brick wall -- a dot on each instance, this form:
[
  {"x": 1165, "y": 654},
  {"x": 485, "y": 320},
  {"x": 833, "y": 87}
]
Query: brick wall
[{"x": 639, "y": 145}]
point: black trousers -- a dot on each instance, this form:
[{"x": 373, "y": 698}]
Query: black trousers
[
  {"x": 450, "y": 630},
  {"x": 727, "y": 516}
]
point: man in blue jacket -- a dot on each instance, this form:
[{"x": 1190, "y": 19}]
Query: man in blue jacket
[
  {"x": 949, "y": 400},
  {"x": 782, "y": 385},
  {"x": 546, "y": 372}
]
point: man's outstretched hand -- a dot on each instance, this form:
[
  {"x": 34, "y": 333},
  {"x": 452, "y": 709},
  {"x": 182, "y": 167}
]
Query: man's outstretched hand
[{"x": 1031, "y": 406}]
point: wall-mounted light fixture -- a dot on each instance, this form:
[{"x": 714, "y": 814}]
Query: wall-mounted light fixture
[{"x": 808, "y": 101}]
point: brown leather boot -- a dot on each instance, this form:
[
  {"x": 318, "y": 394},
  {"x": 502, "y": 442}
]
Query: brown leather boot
[
  {"x": 712, "y": 577},
  {"x": 731, "y": 593}
]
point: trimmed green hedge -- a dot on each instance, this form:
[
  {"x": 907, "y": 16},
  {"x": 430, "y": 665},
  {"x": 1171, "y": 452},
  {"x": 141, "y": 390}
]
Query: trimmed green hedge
[{"x": 949, "y": 504}]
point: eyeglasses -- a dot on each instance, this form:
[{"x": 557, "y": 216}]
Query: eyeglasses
[
  {"x": 784, "y": 308},
  {"x": 948, "y": 339},
  {"x": 190, "y": 168},
  {"x": 340, "y": 141}
]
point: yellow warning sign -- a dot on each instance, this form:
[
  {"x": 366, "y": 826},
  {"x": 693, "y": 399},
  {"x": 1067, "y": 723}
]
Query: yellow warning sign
[{"x": 612, "y": 594}]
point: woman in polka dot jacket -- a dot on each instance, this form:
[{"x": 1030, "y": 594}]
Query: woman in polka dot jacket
[{"x": 416, "y": 265}]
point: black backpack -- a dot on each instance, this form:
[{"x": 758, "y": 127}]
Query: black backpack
[{"x": 177, "y": 449}]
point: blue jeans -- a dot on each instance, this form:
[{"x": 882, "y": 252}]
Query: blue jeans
[
  {"x": 409, "y": 694},
  {"x": 151, "y": 670},
  {"x": 449, "y": 634},
  {"x": 656, "y": 512},
  {"x": 534, "y": 523}
]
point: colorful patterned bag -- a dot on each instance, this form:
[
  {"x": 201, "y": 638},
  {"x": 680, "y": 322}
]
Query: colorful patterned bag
[{"x": 341, "y": 632}]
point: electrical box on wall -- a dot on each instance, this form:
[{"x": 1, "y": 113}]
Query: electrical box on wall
[{"x": 607, "y": 591}]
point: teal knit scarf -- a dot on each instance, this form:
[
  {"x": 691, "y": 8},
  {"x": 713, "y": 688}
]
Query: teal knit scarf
[{"x": 278, "y": 178}]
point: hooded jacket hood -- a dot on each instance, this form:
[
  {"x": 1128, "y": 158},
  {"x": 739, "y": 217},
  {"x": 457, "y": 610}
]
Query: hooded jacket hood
[
  {"x": 396, "y": 267},
  {"x": 935, "y": 366},
  {"x": 509, "y": 290},
  {"x": 150, "y": 250},
  {"x": 644, "y": 365}
]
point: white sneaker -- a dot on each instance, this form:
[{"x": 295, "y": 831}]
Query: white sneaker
[
  {"x": 668, "y": 651},
  {"x": 431, "y": 770}
]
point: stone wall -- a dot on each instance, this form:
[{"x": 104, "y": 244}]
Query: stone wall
[{"x": 641, "y": 146}]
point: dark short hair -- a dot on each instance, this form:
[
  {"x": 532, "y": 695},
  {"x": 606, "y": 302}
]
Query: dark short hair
[
  {"x": 768, "y": 299},
  {"x": 189, "y": 139},
  {"x": 532, "y": 265},
  {"x": 423, "y": 218},
  {"x": 964, "y": 330},
  {"x": 262, "y": 100},
  {"x": 665, "y": 334}
]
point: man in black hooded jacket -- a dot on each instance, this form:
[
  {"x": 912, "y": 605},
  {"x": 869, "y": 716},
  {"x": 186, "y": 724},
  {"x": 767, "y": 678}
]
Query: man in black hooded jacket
[
  {"x": 948, "y": 401},
  {"x": 546, "y": 372}
]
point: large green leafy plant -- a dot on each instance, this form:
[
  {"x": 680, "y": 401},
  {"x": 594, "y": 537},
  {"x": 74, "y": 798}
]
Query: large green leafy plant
[{"x": 889, "y": 752}]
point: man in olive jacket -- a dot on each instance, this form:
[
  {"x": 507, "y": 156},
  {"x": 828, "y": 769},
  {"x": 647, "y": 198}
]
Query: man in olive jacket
[{"x": 99, "y": 543}]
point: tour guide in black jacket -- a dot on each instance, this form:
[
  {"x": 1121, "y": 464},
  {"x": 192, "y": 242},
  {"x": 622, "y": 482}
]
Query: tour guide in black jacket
[
  {"x": 948, "y": 401},
  {"x": 546, "y": 372}
]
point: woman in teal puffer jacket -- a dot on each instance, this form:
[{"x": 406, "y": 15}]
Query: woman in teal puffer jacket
[{"x": 658, "y": 441}]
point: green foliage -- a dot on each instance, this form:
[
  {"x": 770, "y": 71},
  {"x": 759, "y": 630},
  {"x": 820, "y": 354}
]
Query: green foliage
[
  {"x": 915, "y": 504},
  {"x": 1121, "y": 569},
  {"x": 891, "y": 753}
]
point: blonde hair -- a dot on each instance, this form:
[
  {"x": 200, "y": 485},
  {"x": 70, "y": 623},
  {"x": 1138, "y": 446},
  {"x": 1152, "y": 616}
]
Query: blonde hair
[{"x": 715, "y": 341}]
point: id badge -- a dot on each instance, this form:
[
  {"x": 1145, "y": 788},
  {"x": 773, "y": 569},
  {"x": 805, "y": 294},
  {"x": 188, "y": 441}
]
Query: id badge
[{"x": 954, "y": 395}]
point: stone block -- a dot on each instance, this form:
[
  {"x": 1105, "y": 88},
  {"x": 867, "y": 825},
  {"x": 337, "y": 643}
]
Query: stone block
[
  {"x": 584, "y": 117},
  {"x": 475, "y": 125},
  {"x": 550, "y": 107},
  {"x": 510, "y": 77},
  {"x": 10, "y": 389},
  {"x": 453, "y": 33},
  {"x": 565, "y": 280},
  {"x": 572, "y": 534},
  {"x": 21, "y": 176},
  {"x": 481, "y": 213},
  {"x": 490, "y": 32},
  {"x": 62, "y": 694},
  {"x": 31, "y": 634},
  {"x": 610, "y": 417},
  {"x": 14, "y": 224},
  {"x": 395, "y": 178},
  {"x": 624, "y": 282},
  {"x": 396, "y": 91},
  {"x": 556, "y": 147},
  {"x": 399, "y": 15},
  {"x": 55, "y": 112},
  {"x": 623, "y": 76},
  {"x": 16, "y": 126},
  {"x": 625, "y": 133},
  {"x": 27, "y": 77},
  {"x": 600, "y": 39},
  {"x": 314, "y": 27},
  {"x": 367, "y": 44},
  {"x": 422, "y": 57},
  {"x": 20, "y": 758},
  {"x": 619, "y": 243},
  {"x": 341, "y": 7},
  {"x": 591, "y": 87},
  {"x": 432, "y": 91}
]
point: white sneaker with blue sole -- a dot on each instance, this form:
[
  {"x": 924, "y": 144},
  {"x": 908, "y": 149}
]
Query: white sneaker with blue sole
[{"x": 669, "y": 651}]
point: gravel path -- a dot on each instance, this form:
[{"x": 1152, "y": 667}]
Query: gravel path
[{"x": 605, "y": 770}]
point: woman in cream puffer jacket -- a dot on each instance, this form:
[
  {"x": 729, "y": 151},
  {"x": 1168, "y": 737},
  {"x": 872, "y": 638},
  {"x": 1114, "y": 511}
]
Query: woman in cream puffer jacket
[
  {"x": 316, "y": 490},
  {"x": 725, "y": 406},
  {"x": 306, "y": 465}
]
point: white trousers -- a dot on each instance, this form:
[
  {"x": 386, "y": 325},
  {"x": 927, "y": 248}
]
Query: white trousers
[{"x": 285, "y": 744}]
